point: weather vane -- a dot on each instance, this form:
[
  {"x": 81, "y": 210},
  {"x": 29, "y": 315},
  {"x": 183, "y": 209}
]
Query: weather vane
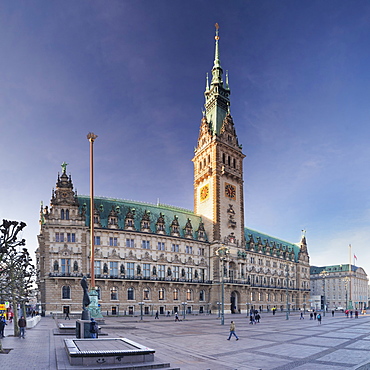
[{"x": 217, "y": 27}]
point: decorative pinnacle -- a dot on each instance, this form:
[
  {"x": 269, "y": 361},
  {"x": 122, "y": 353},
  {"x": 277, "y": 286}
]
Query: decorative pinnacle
[
  {"x": 217, "y": 27},
  {"x": 64, "y": 167},
  {"x": 91, "y": 137}
]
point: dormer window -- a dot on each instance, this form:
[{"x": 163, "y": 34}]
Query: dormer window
[
  {"x": 96, "y": 218},
  {"x": 129, "y": 219},
  {"x": 201, "y": 231},
  {"x": 188, "y": 229},
  {"x": 160, "y": 224},
  {"x": 175, "y": 227},
  {"x": 145, "y": 221},
  {"x": 113, "y": 219}
]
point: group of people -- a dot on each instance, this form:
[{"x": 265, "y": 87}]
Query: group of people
[
  {"x": 254, "y": 317},
  {"x": 349, "y": 313},
  {"x": 315, "y": 316},
  {"x": 22, "y": 323}
]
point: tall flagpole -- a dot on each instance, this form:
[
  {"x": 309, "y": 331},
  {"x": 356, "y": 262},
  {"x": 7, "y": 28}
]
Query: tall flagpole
[
  {"x": 350, "y": 275},
  {"x": 91, "y": 137}
]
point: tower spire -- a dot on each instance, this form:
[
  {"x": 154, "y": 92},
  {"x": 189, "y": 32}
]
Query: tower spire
[
  {"x": 217, "y": 69},
  {"x": 216, "y": 94}
]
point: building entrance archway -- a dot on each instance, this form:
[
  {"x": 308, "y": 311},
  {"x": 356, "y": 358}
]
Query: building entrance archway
[{"x": 234, "y": 302}]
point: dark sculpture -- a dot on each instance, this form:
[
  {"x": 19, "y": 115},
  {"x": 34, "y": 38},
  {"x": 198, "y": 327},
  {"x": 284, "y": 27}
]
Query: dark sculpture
[{"x": 86, "y": 300}]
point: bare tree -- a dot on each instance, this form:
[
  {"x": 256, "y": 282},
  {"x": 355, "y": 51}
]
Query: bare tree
[{"x": 17, "y": 272}]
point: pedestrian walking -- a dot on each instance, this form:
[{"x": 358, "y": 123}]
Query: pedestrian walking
[
  {"x": 315, "y": 315},
  {"x": 319, "y": 319},
  {"x": 332, "y": 313},
  {"x": 356, "y": 314},
  {"x": 302, "y": 317},
  {"x": 157, "y": 315},
  {"x": 232, "y": 331},
  {"x": 94, "y": 328},
  {"x": 311, "y": 316},
  {"x": 176, "y": 317},
  {"x": 2, "y": 326},
  {"x": 22, "y": 323},
  {"x": 66, "y": 315}
]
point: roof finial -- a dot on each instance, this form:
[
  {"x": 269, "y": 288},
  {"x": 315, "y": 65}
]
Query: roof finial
[
  {"x": 217, "y": 69},
  {"x": 207, "y": 82},
  {"x": 64, "y": 167}
]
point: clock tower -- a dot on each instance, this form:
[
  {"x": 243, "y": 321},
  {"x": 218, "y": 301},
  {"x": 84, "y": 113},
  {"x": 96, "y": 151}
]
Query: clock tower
[{"x": 218, "y": 163}]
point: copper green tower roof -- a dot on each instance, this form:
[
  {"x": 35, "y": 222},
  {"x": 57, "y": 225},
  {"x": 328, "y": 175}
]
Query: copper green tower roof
[{"x": 217, "y": 94}]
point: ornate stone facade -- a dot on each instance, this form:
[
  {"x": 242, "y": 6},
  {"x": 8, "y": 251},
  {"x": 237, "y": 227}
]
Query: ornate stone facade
[{"x": 167, "y": 258}]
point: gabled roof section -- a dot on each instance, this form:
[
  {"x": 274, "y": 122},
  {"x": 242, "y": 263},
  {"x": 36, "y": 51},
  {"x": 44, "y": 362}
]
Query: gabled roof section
[
  {"x": 122, "y": 207},
  {"x": 282, "y": 246}
]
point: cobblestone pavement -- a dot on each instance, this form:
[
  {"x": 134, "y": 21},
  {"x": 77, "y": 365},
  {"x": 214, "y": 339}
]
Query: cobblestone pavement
[{"x": 200, "y": 343}]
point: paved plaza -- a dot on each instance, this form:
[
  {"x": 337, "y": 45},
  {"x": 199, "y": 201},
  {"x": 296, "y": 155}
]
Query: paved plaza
[{"x": 200, "y": 343}]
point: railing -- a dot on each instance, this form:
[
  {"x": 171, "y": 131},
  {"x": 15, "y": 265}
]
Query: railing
[{"x": 124, "y": 277}]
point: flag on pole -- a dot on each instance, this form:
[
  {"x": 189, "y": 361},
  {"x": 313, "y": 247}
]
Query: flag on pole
[
  {"x": 354, "y": 259},
  {"x": 354, "y": 256}
]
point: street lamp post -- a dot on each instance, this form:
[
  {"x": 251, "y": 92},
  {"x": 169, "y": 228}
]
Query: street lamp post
[
  {"x": 346, "y": 280},
  {"x": 287, "y": 292},
  {"x": 219, "y": 304},
  {"x": 223, "y": 253},
  {"x": 324, "y": 274},
  {"x": 141, "y": 310},
  {"x": 184, "y": 308}
]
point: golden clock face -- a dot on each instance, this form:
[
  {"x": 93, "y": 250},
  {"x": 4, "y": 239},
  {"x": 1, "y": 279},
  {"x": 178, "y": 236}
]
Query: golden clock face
[
  {"x": 204, "y": 192},
  {"x": 230, "y": 191}
]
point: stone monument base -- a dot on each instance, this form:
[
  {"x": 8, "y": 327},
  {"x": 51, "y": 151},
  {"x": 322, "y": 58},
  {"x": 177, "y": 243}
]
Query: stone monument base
[{"x": 117, "y": 351}]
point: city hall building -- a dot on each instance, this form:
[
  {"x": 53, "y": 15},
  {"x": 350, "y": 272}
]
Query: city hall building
[{"x": 154, "y": 257}]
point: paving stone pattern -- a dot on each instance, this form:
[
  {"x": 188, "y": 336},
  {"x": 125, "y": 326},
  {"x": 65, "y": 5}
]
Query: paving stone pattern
[{"x": 199, "y": 343}]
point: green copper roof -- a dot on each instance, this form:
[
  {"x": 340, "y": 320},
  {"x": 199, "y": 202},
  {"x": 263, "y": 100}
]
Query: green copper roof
[
  {"x": 217, "y": 102},
  {"x": 121, "y": 207},
  {"x": 281, "y": 245},
  {"x": 333, "y": 268}
]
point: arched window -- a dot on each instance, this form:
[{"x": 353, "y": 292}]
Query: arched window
[
  {"x": 202, "y": 295},
  {"x": 114, "y": 294},
  {"x": 175, "y": 294},
  {"x": 161, "y": 294},
  {"x": 62, "y": 214},
  {"x": 189, "y": 295},
  {"x": 146, "y": 294},
  {"x": 130, "y": 294},
  {"x": 67, "y": 214},
  {"x": 66, "y": 292}
]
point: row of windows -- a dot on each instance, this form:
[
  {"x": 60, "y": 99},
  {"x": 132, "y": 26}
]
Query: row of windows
[
  {"x": 268, "y": 264},
  {"x": 230, "y": 161},
  {"x": 273, "y": 281},
  {"x": 268, "y": 297},
  {"x": 147, "y": 294},
  {"x": 145, "y": 244},
  {"x": 65, "y": 237},
  {"x": 146, "y": 270}
]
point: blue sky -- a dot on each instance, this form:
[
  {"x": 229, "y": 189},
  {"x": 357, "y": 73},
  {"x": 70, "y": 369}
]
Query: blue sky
[{"x": 133, "y": 72}]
